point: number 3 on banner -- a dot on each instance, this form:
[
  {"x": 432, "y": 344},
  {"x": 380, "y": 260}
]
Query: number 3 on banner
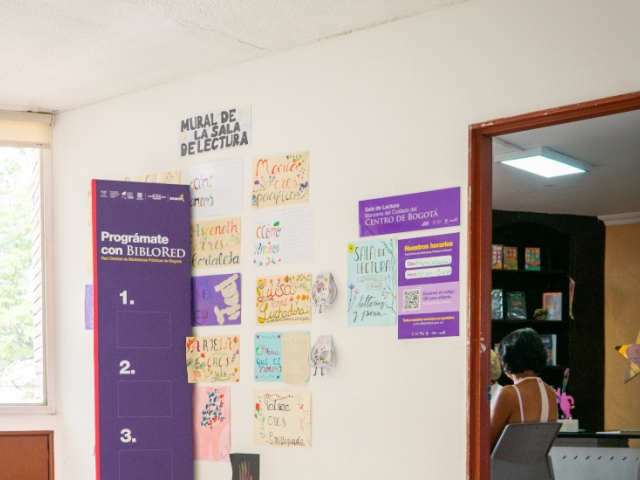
[{"x": 126, "y": 436}]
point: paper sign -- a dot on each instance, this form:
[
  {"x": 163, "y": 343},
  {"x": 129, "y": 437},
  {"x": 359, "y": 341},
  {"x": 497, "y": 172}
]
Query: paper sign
[
  {"x": 404, "y": 213},
  {"x": 245, "y": 466},
  {"x": 213, "y": 359},
  {"x": 282, "y": 419},
  {"x": 216, "y": 300},
  {"x": 283, "y": 236},
  {"x": 280, "y": 180},
  {"x": 429, "y": 286},
  {"x": 216, "y": 130},
  {"x": 371, "y": 272},
  {"x": 170, "y": 177},
  {"x": 282, "y": 357},
  {"x": 216, "y": 188},
  {"x": 211, "y": 423},
  {"x": 283, "y": 299},
  {"x": 215, "y": 243}
]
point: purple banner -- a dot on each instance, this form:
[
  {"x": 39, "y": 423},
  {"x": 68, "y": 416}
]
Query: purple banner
[
  {"x": 415, "y": 211},
  {"x": 429, "y": 286},
  {"x": 216, "y": 300},
  {"x": 142, "y": 280}
]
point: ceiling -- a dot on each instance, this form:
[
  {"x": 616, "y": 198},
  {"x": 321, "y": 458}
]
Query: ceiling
[
  {"x": 610, "y": 144},
  {"x": 63, "y": 54}
]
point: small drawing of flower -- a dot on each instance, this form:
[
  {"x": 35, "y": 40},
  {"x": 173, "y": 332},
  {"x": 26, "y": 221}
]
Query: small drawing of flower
[
  {"x": 352, "y": 286},
  {"x": 351, "y": 248}
]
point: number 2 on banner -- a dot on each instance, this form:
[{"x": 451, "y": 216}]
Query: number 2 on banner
[
  {"x": 126, "y": 436},
  {"x": 123, "y": 294},
  {"x": 125, "y": 364}
]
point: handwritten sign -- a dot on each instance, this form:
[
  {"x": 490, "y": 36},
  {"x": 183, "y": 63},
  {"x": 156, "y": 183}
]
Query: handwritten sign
[
  {"x": 213, "y": 359},
  {"x": 216, "y": 130},
  {"x": 216, "y": 300},
  {"x": 283, "y": 299},
  {"x": 283, "y": 236},
  {"x": 211, "y": 423},
  {"x": 282, "y": 419},
  {"x": 371, "y": 272},
  {"x": 280, "y": 180},
  {"x": 215, "y": 243},
  {"x": 282, "y": 357},
  {"x": 216, "y": 188}
]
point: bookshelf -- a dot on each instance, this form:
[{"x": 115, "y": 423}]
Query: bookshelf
[{"x": 570, "y": 246}]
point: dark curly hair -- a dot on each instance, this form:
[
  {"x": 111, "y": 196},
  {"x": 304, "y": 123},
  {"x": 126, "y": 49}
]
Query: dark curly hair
[{"x": 523, "y": 350}]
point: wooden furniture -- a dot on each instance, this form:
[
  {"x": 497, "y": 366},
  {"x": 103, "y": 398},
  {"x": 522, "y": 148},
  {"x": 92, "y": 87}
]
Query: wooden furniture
[
  {"x": 26, "y": 455},
  {"x": 570, "y": 246}
]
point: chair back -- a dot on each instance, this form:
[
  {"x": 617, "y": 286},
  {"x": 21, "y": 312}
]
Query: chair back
[{"x": 522, "y": 452}]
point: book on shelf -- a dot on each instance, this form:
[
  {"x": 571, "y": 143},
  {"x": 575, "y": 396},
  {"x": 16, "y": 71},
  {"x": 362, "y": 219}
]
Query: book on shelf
[
  {"x": 496, "y": 257},
  {"x": 510, "y": 258},
  {"x": 497, "y": 311},
  {"x": 516, "y": 306},
  {"x": 550, "y": 342},
  {"x": 552, "y": 303},
  {"x": 532, "y": 259}
]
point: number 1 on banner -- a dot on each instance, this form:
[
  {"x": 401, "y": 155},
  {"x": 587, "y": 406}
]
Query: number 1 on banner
[{"x": 123, "y": 294}]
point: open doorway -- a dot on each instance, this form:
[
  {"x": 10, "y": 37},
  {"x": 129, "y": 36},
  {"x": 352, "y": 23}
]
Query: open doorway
[{"x": 480, "y": 241}]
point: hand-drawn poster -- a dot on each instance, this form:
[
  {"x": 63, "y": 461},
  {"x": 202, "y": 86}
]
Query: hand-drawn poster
[
  {"x": 171, "y": 177},
  {"x": 215, "y": 243},
  {"x": 429, "y": 286},
  {"x": 282, "y": 419},
  {"x": 216, "y": 300},
  {"x": 213, "y": 359},
  {"x": 216, "y": 130},
  {"x": 372, "y": 276},
  {"x": 283, "y": 299},
  {"x": 280, "y": 180},
  {"x": 245, "y": 466},
  {"x": 211, "y": 423},
  {"x": 415, "y": 211},
  {"x": 283, "y": 236},
  {"x": 216, "y": 188},
  {"x": 282, "y": 357}
]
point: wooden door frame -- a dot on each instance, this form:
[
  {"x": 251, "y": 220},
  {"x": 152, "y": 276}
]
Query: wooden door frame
[{"x": 479, "y": 238}]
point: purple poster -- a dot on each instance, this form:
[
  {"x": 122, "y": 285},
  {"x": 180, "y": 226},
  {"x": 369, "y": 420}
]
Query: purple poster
[
  {"x": 429, "y": 286},
  {"x": 216, "y": 300},
  {"x": 142, "y": 309},
  {"x": 415, "y": 211}
]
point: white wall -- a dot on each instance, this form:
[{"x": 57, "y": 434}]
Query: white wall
[{"x": 383, "y": 111}]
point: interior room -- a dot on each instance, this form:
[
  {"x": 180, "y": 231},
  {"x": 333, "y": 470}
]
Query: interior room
[{"x": 382, "y": 97}]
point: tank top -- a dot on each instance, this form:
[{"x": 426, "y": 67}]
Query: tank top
[{"x": 544, "y": 410}]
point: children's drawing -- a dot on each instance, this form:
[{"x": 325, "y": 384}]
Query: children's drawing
[
  {"x": 283, "y": 299},
  {"x": 280, "y": 180},
  {"x": 216, "y": 300},
  {"x": 215, "y": 243},
  {"x": 211, "y": 425},
  {"x": 282, "y": 419},
  {"x": 283, "y": 236},
  {"x": 213, "y": 359}
]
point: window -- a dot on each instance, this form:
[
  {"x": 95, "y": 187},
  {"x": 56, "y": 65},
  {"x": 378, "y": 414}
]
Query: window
[{"x": 24, "y": 353}]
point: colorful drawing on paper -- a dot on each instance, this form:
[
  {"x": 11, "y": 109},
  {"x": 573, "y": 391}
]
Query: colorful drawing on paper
[
  {"x": 216, "y": 300},
  {"x": 632, "y": 353},
  {"x": 169, "y": 177},
  {"x": 283, "y": 299},
  {"x": 283, "y": 236},
  {"x": 213, "y": 359},
  {"x": 211, "y": 423},
  {"x": 282, "y": 419},
  {"x": 372, "y": 278},
  {"x": 280, "y": 180},
  {"x": 429, "y": 287},
  {"x": 282, "y": 356},
  {"x": 245, "y": 466},
  {"x": 216, "y": 188},
  {"x": 215, "y": 130},
  {"x": 215, "y": 243}
]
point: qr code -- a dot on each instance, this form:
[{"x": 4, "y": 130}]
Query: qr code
[{"x": 411, "y": 300}]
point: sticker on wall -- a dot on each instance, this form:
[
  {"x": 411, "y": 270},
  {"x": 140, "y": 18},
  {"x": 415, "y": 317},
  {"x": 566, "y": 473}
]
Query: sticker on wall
[
  {"x": 283, "y": 299},
  {"x": 282, "y": 356},
  {"x": 429, "y": 286},
  {"x": 372, "y": 280},
  {"x": 215, "y": 243},
  {"x": 216, "y": 188},
  {"x": 415, "y": 211},
  {"x": 216, "y": 300},
  {"x": 211, "y": 423},
  {"x": 215, "y": 131},
  {"x": 282, "y": 419},
  {"x": 213, "y": 359},
  {"x": 283, "y": 236},
  {"x": 280, "y": 180}
]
